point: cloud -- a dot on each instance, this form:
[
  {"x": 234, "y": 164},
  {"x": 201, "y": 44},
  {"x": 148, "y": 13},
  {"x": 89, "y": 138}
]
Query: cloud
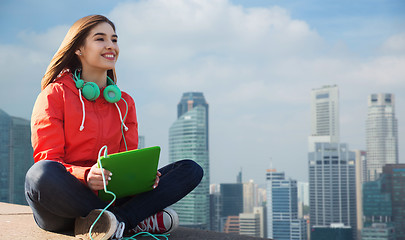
[
  {"x": 22, "y": 66},
  {"x": 256, "y": 67},
  {"x": 395, "y": 45}
]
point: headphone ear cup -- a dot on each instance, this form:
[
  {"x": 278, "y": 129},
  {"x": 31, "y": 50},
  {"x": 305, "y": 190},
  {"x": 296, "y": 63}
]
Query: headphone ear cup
[
  {"x": 112, "y": 94},
  {"x": 91, "y": 91},
  {"x": 79, "y": 83}
]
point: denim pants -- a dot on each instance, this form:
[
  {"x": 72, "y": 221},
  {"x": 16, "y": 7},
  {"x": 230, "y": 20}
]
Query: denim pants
[{"x": 56, "y": 197}]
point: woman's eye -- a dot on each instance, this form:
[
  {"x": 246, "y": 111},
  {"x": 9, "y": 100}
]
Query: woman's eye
[
  {"x": 114, "y": 40},
  {"x": 100, "y": 39}
]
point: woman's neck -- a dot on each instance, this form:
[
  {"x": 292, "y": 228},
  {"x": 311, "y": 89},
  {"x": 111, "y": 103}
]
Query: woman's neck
[{"x": 98, "y": 77}]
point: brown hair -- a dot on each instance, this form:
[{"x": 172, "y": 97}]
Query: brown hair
[{"x": 65, "y": 57}]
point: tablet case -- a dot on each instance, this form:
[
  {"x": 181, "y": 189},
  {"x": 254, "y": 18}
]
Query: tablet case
[{"x": 133, "y": 172}]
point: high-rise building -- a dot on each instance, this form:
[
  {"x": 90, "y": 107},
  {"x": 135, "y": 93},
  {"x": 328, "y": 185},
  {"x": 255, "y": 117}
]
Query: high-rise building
[
  {"x": 395, "y": 186},
  {"x": 303, "y": 197},
  {"x": 261, "y": 211},
  {"x": 381, "y": 134},
  {"x": 332, "y": 185},
  {"x": 16, "y": 157},
  {"x": 231, "y": 198},
  {"x": 188, "y": 139},
  {"x": 332, "y": 176},
  {"x": 249, "y": 224},
  {"x": 282, "y": 208},
  {"x": 249, "y": 196},
  {"x": 377, "y": 204},
  {"x": 215, "y": 212},
  {"x": 360, "y": 170},
  {"x": 324, "y": 115},
  {"x": 231, "y": 201},
  {"x": 239, "y": 177}
]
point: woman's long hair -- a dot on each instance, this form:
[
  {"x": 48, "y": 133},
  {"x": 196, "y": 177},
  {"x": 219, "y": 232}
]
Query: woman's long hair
[{"x": 65, "y": 57}]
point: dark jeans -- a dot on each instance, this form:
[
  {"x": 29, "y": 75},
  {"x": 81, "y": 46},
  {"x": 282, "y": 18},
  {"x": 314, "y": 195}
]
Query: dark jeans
[{"x": 57, "y": 197}]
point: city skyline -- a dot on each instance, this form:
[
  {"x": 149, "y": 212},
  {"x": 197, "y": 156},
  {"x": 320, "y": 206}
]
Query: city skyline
[{"x": 255, "y": 61}]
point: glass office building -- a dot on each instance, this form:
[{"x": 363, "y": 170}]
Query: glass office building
[
  {"x": 16, "y": 157},
  {"x": 377, "y": 204},
  {"x": 282, "y": 208},
  {"x": 395, "y": 186},
  {"x": 231, "y": 199},
  {"x": 188, "y": 139},
  {"x": 332, "y": 185}
]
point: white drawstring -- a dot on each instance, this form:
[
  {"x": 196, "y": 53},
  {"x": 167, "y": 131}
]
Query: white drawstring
[
  {"x": 84, "y": 111},
  {"x": 122, "y": 121}
]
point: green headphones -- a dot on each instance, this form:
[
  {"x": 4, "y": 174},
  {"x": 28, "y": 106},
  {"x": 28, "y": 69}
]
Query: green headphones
[{"x": 91, "y": 91}]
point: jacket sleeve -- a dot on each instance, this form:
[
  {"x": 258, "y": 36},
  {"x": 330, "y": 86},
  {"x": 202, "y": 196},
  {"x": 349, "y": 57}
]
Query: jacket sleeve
[
  {"x": 47, "y": 130},
  {"x": 131, "y": 136}
]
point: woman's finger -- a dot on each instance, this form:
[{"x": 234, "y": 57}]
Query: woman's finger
[{"x": 156, "y": 181}]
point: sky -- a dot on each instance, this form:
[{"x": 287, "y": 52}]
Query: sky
[{"x": 256, "y": 62}]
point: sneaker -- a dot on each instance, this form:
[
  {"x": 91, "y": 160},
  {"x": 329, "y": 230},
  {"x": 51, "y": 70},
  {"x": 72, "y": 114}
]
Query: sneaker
[
  {"x": 160, "y": 223},
  {"x": 106, "y": 227}
]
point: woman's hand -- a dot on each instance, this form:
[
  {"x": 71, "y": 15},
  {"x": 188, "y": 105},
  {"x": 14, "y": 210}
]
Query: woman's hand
[
  {"x": 95, "y": 178},
  {"x": 158, "y": 174}
]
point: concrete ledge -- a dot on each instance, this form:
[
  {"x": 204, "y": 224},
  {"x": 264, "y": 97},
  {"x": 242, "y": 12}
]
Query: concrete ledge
[{"x": 16, "y": 222}]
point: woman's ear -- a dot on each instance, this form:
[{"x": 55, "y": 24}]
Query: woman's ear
[{"x": 78, "y": 52}]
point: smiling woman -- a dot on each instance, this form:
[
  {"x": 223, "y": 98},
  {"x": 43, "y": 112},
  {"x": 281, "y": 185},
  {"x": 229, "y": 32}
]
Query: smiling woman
[
  {"x": 61, "y": 186},
  {"x": 76, "y": 38},
  {"x": 98, "y": 53}
]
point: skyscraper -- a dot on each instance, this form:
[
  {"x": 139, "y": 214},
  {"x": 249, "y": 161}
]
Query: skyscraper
[
  {"x": 282, "y": 208},
  {"x": 227, "y": 202},
  {"x": 332, "y": 176},
  {"x": 188, "y": 139},
  {"x": 377, "y": 204},
  {"x": 231, "y": 201},
  {"x": 15, "y": 157},
  {"x": 324, "y": 115},
  {"x": 360, "y": 179},
  {"x": 249, "y": 196},
  {"x": 395, "y": 186},
  {"x": 303, "y": 197},
  {"x": 332, "y": 185},
  {"x": 381, "y": 134}
]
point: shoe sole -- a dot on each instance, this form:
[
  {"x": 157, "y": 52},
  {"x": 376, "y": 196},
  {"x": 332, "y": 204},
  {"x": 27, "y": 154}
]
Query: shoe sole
[
  {"x": 175, "y": 219},
  {"x": 102, "y": 230}
]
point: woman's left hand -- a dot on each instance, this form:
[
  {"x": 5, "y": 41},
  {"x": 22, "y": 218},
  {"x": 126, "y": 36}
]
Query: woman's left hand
[{"x": 158, "y": 174}]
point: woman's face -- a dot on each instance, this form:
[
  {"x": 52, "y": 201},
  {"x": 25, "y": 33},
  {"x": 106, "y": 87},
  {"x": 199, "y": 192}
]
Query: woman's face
[{"x": 100, "y": 49}]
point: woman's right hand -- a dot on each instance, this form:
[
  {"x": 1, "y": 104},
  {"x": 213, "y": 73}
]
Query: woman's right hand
[{"x": 95, "y": 178}]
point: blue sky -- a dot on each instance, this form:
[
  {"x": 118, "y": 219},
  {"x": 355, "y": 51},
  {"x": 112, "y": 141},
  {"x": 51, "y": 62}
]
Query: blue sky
[{"x": 256, "y": 62}]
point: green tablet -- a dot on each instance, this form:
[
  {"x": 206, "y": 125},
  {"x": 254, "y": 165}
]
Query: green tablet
[{"x": 133, "y": 172}]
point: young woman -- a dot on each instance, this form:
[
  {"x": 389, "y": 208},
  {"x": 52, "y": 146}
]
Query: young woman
[{"x": 79, "y": 110}]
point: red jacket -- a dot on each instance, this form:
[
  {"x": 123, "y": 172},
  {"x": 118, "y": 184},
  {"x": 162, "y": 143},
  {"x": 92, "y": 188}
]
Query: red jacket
[{"x": 57, "y": 117}]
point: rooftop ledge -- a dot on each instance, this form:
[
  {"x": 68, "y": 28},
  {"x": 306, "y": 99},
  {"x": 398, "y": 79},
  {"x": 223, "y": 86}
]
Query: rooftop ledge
[{"x": 16, "y": 222}]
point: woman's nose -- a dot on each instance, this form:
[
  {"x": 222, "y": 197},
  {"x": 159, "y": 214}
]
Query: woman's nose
[{"x": 110, "y": 44}]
